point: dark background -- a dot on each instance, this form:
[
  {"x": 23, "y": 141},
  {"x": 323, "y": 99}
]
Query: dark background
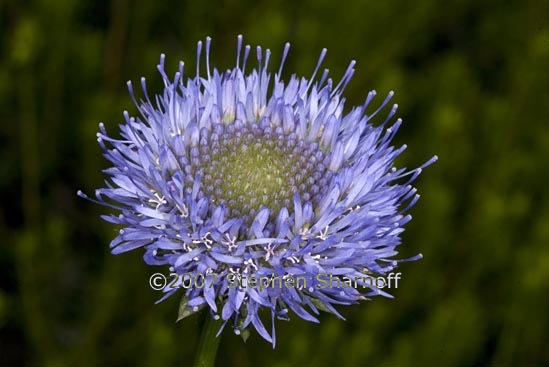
[{"x": 472, "y": 82}]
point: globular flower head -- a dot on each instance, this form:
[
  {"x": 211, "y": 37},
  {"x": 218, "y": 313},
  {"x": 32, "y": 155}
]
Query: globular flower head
[{"x": 244, "y": 175}]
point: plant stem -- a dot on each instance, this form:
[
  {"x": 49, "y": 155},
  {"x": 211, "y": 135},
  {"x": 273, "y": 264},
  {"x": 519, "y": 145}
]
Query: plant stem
[{"x": 207, "y": 348}]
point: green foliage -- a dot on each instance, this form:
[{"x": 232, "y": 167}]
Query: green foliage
[{"x": 472, "y": 82}]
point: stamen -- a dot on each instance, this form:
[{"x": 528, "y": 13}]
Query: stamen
[
  {"x": 198, "y": 54},
  {"x": 246, "y": 54},
  {"x": 238, "y": 50},
  {"x": 208, "y": 43},
  {"x": 319, "y": 62},
  {"x": 284, "y": 55},
  {"x": 387, "y": 99},
  {"x": 345, "y": 79}
]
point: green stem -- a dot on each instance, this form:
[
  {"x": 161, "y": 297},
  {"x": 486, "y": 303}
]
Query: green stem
[{"x": 207, "y": 349}]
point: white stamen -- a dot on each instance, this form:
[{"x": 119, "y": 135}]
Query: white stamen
[{"x": 323, "y": 233}]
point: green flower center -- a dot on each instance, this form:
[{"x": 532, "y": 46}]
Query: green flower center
[{"x": 249, "y": 167}]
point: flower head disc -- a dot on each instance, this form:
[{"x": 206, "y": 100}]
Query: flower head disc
[
  {"x": 219, "y": 178},
  {"x": 247, "y": 167}
]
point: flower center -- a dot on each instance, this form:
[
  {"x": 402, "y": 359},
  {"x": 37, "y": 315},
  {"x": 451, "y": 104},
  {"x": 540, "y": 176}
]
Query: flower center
[{"x": 247, "y": 167}]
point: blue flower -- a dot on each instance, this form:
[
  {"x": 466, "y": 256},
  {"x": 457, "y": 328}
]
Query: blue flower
[{"x": 237, "y": 175}]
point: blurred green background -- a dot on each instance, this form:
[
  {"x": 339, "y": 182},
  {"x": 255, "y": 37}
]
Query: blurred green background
[{"x": 472, "y": 82}]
